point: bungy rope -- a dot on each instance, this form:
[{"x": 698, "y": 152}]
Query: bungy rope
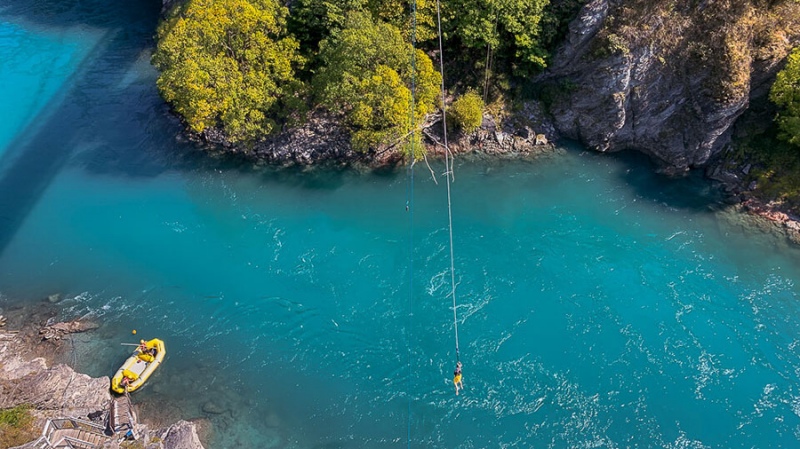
[
  {"x": 410, "y": 210},
  {"x": 448, "y": 162}
]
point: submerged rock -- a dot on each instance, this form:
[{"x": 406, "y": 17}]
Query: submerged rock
[
  {"x": 59, "y": 330},
  {"x": 213, "y": 408}
]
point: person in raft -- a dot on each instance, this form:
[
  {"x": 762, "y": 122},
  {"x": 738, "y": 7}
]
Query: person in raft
[
  {"x": 457, "y": 378},
  {"x": 145, "y": 350}
]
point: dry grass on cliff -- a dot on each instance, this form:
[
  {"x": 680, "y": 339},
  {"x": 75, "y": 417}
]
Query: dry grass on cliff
[
  {"x": 723, "y": 38},
  {"x": 16, "y": 426}
]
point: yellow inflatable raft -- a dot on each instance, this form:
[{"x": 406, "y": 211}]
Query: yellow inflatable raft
[{"x": 139, "y": 366}]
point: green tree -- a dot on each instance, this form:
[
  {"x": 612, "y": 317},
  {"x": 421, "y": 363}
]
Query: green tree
[
  {"x": 785, "y": 93},
  {"x": 228, "y": 64},
  {"x": 511, "y": 27},
  {"x": 419, "y": 24},
  {"x": 467, "y": 111},
  {"x": 368, "y": 73},
  {"x": 312, "y": 21}
]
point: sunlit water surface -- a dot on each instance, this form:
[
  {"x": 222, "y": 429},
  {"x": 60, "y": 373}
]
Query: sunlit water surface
[{"x": 598, "y": 305}]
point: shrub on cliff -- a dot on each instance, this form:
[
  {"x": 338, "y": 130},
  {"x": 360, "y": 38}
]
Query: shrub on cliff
[
  {"x": 467, "y": 111},
  {"x": 228, "y": 64},
  {"x": 367, "y": 73},
  {"x": 785, "y": 93}
]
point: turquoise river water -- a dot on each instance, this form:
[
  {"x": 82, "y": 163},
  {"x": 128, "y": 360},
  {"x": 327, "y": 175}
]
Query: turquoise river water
[{"x": 599, "y": 306}]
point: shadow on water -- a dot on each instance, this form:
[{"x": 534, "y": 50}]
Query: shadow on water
[
  {"x": 93, "y": 13},
  {"x": 692, "y": 192},
  {"x": 141, "y": 138},
  {"x": 43, "y": 149},
  {"x": 109, "y": 125}
]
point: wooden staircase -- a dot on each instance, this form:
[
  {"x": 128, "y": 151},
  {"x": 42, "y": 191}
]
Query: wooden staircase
[{"x": 73, "y": 433}]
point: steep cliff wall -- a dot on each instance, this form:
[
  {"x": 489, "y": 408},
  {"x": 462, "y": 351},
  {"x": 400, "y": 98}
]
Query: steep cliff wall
[{"x": 667, "y": 78}]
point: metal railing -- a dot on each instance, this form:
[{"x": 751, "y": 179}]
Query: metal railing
[{"x": 56, "y": 424}]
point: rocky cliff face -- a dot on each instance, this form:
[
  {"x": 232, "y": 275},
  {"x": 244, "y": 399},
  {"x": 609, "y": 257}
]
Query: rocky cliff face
[{"x": 667, "y": 78}]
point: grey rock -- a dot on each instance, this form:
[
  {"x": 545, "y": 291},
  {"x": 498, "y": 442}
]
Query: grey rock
[
  {"x": 321, "y": 139},
  {"x": 181, "y": 435},
  {"x": 654, "y": 94}
]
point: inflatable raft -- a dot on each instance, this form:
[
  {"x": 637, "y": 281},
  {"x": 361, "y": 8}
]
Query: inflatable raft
[{"x": 139, "y": 366}]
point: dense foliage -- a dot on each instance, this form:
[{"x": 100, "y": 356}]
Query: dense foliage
[
  {"x": 246, "y": 67},
  {"x": 467, "y": 111},
  {"x": 228, "y": 63},
  {"x": 785, "y": 93},
  {"x": 511, "y": 28},
  {"x": 368, "y": 71}
]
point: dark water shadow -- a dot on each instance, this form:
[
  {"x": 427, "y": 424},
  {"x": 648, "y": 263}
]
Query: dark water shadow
[
  {"x": 110, "y": 119},
  {"x": 39, "y": 152},
  {"x": 69, "y": 13},
  {"x": 691, "y": 191}
]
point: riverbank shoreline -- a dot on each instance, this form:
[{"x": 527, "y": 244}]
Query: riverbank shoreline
[
  {"x": 36, "y": 350},
  {"x": 773, "y": 213},
  {"x": 489, "y": 144},
  {"x": 322, "y": 141}
]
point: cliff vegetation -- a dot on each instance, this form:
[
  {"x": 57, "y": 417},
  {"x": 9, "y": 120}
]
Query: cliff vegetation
[
  {"x": 670, "y": 78},
  {"x": 242, "y": 70},
  {"x": 768, "y": 157},
  {"x": 17, "y": 426}
]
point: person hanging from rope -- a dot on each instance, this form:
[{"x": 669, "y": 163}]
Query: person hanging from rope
[{"x": 457, "y": 378}]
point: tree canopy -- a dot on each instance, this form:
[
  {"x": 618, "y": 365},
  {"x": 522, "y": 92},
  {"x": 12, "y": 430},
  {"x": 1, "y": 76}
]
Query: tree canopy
[
  {"x": 785, "y": 93},
  {"x": 227, "y": 63},
  {"x": 510, "y": 27},
  {"x": 245, "y": 66},
  {"x": 368, "y": 72}
]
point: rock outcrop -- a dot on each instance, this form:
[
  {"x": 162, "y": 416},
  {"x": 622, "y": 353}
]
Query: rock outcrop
[
  {"x": 526, "y": 133},
  {"x": 321, "y": 139},
  {"x": 182, "y": 435},
  {"x": 667, "y": 78}
]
